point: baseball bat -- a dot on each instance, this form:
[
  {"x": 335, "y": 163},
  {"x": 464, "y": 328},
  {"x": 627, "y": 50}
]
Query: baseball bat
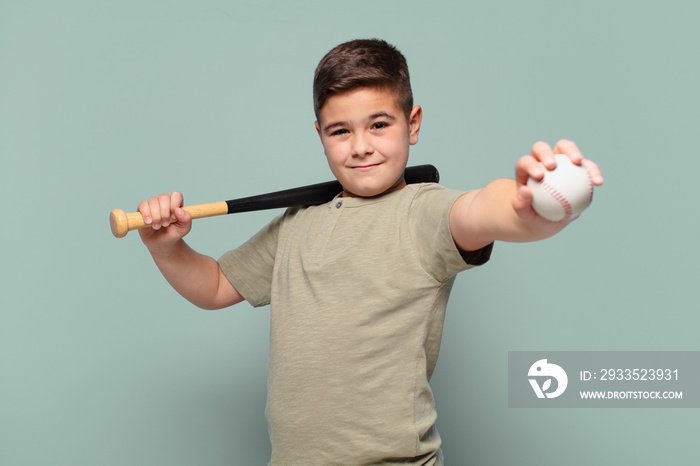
[{"x": 315, "y": 194}]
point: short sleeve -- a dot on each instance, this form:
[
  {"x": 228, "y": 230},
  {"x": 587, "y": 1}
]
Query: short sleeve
[
  {"x": 249, "y": 267},
  {"x": 432, "y": 240}
]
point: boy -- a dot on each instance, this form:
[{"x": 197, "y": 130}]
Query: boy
[{"x": 358, "y": 287}]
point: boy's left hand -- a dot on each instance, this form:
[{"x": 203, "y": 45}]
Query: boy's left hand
[{"x": 529, "y": 166}]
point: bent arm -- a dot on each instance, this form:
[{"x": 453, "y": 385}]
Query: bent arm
[{"x": 196, "y": 277}]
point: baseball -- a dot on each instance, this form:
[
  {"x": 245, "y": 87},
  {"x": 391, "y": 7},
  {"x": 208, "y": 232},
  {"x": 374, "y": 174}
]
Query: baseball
[{"x": 563, "y": 193}]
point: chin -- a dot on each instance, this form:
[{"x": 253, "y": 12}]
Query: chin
[
  {"x": 371, "y": 189},
  {"x": 383, "y": 178}
]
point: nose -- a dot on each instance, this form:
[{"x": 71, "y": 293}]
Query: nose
[{"x": 361, "y": 145}]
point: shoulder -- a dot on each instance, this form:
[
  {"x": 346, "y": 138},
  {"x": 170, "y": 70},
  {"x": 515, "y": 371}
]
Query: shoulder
[{"x": 431, "y": 196}]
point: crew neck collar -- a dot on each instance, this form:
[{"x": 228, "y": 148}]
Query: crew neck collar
[{"x": 362, "y": 201}]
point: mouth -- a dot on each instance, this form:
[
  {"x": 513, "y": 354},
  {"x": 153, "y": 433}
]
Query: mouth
[{"x": 365, "y": 168}]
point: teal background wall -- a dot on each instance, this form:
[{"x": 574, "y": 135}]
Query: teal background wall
[{"x": 103, "y": 104}]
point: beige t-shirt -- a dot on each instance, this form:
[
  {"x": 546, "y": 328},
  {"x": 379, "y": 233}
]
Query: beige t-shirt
[{"x": 358, "y": 289}]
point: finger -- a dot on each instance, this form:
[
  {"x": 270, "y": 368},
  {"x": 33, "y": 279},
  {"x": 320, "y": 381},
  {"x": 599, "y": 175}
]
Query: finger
[
  {"x": 154, "y": 205},
  {"x": 522, "y": 205},
  {"x": 543, "y": 153},
  {"x": 527, "y": 167},
  {"x": 569, "y": 148},
  {"x": 522, "y": 199},
  {"x": 182, "y": 216},
  {"x": 164, "y": 201},
  {"x": 593, "y": 171},
  {"x": 176, "y": 201},
  {"x": 145, "y": 210},
  {"x": 177, "y": 213}
]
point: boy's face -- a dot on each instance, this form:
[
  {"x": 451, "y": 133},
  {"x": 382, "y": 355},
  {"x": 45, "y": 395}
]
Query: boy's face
[{"x": 366, "y": 137}]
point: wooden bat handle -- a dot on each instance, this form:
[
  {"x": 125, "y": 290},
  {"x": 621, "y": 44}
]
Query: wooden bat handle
[{"x": 122, "y": 222}]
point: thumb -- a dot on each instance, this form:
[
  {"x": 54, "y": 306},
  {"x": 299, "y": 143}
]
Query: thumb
[
  {"x": 182, "y": 215},
  {"x": 184, "y": 219},
  {"x": 523, "y": 198}
]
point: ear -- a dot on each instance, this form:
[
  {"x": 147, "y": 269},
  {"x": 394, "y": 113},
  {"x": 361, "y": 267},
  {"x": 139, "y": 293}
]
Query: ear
[
  {"x": 318, "y": 130},
  {"x": 414, "y": 121}
]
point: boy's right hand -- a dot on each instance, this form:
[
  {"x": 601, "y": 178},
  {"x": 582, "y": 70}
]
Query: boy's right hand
[{"x": 169, "y": 222}]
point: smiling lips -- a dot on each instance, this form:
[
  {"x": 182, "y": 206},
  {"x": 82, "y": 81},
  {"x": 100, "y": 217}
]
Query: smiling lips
[{"x": 364, "y": 168}]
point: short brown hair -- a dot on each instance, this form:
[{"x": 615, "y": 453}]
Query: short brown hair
[{"x": 363, "y": 63}]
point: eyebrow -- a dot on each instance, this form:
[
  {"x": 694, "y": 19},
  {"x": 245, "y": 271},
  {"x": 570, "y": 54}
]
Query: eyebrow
[
  {"x": 374, "y": 116},
  {"x": 382, "y": 114},
  {"x": 333, "y": 125}
]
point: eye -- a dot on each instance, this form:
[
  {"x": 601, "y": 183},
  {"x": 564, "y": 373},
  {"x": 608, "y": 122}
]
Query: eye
[
  {"x": 380, "y": 125},
  {"x": 338, "y": 132}
]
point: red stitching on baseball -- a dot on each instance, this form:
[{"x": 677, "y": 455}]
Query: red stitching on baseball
[{"x": 559, "y": 197}]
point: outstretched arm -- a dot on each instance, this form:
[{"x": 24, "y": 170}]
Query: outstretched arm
[{"x": 502, "y": 209}]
